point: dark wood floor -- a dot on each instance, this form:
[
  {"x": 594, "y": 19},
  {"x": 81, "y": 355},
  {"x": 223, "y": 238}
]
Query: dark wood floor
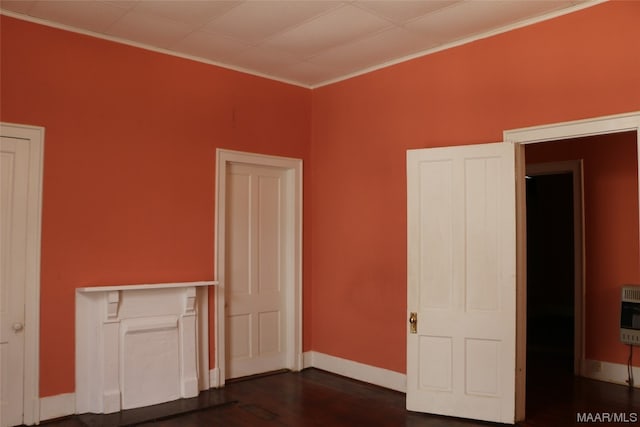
[{"x": 317, "y": 398}]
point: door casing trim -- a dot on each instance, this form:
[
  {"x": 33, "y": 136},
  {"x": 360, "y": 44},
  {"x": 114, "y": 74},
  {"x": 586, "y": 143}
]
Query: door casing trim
[
  {"x": 293, "y": 234},
  {"x": 34, "y": 136},
  {"x": 548, "y": 133}
]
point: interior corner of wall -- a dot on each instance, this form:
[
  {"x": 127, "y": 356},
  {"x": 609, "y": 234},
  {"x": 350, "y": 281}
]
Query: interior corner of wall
[{"x": 307, "y": 359}]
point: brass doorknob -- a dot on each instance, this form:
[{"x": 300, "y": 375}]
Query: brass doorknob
[{"x": 413, "y": 322}]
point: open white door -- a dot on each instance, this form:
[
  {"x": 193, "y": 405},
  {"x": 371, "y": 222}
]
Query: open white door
[{"x": 461, "y": 338}]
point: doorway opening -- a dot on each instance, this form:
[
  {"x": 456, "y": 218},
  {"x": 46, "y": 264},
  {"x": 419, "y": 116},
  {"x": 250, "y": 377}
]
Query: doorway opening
[
  {"x": 550, "y": 274},
  {"x": 555, "y": 286}
]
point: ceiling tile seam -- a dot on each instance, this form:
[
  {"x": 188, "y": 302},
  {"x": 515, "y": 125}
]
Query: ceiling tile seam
[
  {"x": 119, "y": 5},
  {"x": 236, "y": 52},
  {"x": 437, "y": 11},
  {"x": 307, "y": 58},
  {"x": 192, "y": 29},
  {"x": 135, "y": 8},
  {"x": 30, "y": 8},
  {"x": 376, "y": 13},
  {"x": 34, "y": 5},
  {"x": 260, "y": 42},
  {"x": 248, "y": 44},
  {"x": 407, "y": 21},
  {"x": 352, "y": 42},
  {"x": 299, "y": 24}
]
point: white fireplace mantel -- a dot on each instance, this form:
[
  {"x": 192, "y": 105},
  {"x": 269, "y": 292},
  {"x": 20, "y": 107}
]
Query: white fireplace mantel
[
  {"x": 139, "y": 345},
  {"x": 146, "y": 286}
]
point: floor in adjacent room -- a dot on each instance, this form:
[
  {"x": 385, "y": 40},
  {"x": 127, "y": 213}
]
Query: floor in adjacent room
[{"x": 317, "y": 398}]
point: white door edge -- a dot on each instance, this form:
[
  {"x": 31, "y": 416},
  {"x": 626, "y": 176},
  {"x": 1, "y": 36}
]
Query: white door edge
[
  {"x": 293, "y": 185},
  {"x": 601, "y": 125},
  {"x": 35, "y": 137}
]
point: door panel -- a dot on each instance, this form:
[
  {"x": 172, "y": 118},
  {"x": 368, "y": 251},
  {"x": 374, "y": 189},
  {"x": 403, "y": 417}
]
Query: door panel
[
  {"x": 461, "y": 281},
  {"x": 14, "y": 158},
  {"x": 256, "y": 336}
]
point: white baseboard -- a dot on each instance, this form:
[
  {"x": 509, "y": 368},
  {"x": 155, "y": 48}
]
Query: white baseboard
[
  {"x": 60, "y": 405},
  {"x": 610, "y": 372},
  {"x": 356, "y": 370},
  {"x": 214, "y": 378},
  {"x": 63, "y": 405}
]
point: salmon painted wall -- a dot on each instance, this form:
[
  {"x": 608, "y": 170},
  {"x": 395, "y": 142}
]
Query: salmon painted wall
[
  {"x": 575, "y": 66},
  {"x": 129, "y": 161},
  {"x": 610, "y": 187}
]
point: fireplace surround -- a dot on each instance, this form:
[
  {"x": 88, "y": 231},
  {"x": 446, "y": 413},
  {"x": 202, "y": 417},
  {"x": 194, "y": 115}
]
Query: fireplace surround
[{"x": 140, "y": 345}]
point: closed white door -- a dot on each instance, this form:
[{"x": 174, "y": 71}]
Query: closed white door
[
  {"x": 255, "y": 261},
  {"x": 461, "y": 347},
  {"x": 14, "y": 164}
]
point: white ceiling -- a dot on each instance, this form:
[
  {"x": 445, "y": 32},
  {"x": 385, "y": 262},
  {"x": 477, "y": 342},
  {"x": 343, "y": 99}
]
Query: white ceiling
[{"x": 305, "y": 42}]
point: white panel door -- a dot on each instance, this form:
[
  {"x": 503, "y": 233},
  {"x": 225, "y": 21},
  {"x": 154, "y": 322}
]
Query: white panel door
[
  {"x": 254, "y": 292},
  {"x": 14, "y": 169},
  {"x": 461, "y": 215}
]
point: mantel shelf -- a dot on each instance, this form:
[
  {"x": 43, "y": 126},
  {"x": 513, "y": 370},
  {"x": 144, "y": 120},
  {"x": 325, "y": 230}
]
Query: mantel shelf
[{"x": 145, "y": 286}]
